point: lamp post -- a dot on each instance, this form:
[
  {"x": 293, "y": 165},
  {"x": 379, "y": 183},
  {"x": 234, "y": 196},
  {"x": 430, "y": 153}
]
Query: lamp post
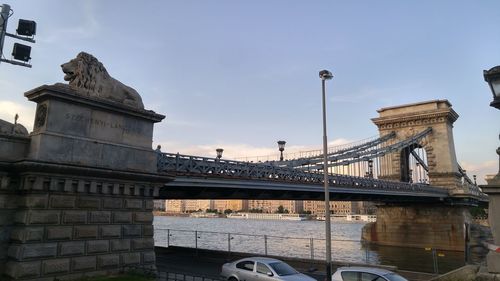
[
  {"x": 492, "y": 76},
  {"x": 370, "y": 168},
  {"x": 281, "y": 147},
  {"x": 326, "y": 75},
  {"x": 219, "y": 153}
]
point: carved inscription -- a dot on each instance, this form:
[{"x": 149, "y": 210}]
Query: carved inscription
[{"x": 102, "y": 124}]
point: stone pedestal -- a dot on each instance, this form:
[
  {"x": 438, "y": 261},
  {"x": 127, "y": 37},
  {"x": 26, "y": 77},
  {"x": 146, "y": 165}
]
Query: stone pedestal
[
  {"x": 493, "y": 191},
  {"x": 419, "y": 226},
  {"x": 83, "y": 190}
]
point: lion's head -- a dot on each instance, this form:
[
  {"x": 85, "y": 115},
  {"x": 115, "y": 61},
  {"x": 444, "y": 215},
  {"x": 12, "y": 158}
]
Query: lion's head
[{"x": 83, "y": 71}]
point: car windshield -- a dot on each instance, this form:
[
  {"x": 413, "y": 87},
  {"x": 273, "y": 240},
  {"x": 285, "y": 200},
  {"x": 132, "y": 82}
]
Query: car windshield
[
  {"x": 394, "y": 277},
  {"x": 282, "y": 268}
]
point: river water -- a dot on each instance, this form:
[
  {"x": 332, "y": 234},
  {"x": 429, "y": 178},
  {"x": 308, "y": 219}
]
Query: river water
[{"x": 302, "y": 239}]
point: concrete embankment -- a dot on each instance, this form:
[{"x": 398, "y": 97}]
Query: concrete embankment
[{"x": 201, "y": 262}]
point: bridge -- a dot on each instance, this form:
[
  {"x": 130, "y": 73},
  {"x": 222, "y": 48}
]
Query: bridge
[
  {"x": 76, "y": 194},
  {"x": 358, "y": 172}
]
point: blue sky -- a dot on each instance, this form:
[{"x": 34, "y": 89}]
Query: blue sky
[{"x": 243, "y": 74}]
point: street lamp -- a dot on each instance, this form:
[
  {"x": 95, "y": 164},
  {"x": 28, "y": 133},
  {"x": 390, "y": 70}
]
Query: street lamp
[
  {"x": 281, "y": 147},
  {"x": 219, "y": 153},
  {"x": 492, "y": 76},
  {"x": 326, "y": 75}
]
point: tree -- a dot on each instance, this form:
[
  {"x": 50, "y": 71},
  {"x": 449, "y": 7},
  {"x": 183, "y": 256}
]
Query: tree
[
  {"x": 281, "y": 209},
  {"x": 228, "y": 211}
]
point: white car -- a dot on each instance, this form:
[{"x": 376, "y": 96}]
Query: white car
[
  {"x": 261, "y": 269},
  {"x": 358, "y": 273}
]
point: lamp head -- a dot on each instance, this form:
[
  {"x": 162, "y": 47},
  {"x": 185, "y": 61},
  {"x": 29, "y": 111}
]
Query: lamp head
[
  {"x": 281, "y": 145},
  {"x": 325, "y": 75},
  {"x": 492, "y": 76},
  {"x": 219, "y": 152}
]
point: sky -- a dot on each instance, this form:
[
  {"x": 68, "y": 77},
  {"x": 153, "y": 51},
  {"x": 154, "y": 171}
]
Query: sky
[{"x": 242, "y": 75}]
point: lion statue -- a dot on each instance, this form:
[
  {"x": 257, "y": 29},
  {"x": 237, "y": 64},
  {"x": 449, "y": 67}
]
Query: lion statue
[{"x": 88, "y": 76}]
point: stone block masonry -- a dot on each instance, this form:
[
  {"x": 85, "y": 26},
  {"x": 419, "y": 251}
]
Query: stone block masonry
[
  {"x": 76, "y": 195},
  {"x": 66, "y": 232}
]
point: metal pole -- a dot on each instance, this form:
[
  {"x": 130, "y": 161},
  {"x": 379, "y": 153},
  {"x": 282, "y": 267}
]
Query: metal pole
[
  {"x": 265, "y": 244},
  {"x": 435, "y": 262},
  {"x": 311, "y": 244},
  {"x": 4, "y": 16},
  {"x": 168, "y": 238},
  {"x": 328, "y": 231}
]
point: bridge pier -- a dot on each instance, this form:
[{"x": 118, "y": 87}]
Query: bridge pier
[
  {"x": 76, "y": 195},
  {"x": 419, "y": 226}
]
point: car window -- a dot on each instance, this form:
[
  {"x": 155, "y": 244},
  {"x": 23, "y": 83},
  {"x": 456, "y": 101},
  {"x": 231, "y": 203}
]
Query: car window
[
  {"x": 282, "y": 268},
  {"x": 370, "y": 277},
  {"x": 246, "y": 265},
  {"x": 262, "y": 268},
  {"x": 349, "y": 276},
  {"x": 395, "y": 277}
]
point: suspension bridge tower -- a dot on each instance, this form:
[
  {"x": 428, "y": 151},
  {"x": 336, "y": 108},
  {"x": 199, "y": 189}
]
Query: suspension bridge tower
[
  {"x": 439, "y": 149},
  {"x": 421, "y": 224}
]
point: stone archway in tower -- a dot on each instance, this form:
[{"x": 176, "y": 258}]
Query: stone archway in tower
[{"x": 414, "y": 167}]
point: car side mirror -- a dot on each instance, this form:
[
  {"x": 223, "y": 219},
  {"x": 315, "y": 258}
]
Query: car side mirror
[{"x": 270, "y": 274}]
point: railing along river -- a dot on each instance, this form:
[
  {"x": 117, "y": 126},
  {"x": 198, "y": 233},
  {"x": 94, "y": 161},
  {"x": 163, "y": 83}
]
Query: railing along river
[{"x": 429, "y": 259}]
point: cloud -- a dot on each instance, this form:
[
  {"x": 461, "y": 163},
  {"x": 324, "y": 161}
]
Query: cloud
[
  {"x": 9, "y": 109},
  {"x": 481, "y": 170},
  {"x": 88, "y": 28}
]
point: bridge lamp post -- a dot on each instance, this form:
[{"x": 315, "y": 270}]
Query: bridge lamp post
[
  {"x": 370, "y": 168},
  {"x": 492, "y": 76},
  {"x": 281, "y": 148},
  {"x": 326, "y": 75}
]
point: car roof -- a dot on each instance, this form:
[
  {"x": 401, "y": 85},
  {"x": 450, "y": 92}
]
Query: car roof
[
  {"x": 374, "y": 270},
  {"x": 260, "y": 259}
]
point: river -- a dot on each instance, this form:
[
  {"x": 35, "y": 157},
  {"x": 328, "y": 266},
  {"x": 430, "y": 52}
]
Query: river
[{"x": 303, "y": 239}]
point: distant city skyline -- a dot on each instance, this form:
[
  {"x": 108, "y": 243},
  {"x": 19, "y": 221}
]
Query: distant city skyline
[
  {"x": 243, "y": 75},
  {"x": 265, "y": 206}
]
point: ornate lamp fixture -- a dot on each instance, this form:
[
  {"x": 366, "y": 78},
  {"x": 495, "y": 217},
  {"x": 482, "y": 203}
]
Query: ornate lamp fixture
[
  {"x": 219, "y": 153},
  {"x": 281, "y": 148},
  {"x": 492, "y": 76}
]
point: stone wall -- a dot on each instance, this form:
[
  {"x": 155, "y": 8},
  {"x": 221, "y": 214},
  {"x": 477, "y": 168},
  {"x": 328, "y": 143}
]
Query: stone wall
[
  {"x": 420, "y": 226},
  {"x": 7, "y": 210},
  {"x": 76, "y": 195},
  {"x": 79, "y": 227}
]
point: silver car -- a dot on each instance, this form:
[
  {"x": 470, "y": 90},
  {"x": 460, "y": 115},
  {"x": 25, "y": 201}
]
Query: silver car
[
  {"x": 358, "y": 273},
  {"x": 261, "y": 269}
]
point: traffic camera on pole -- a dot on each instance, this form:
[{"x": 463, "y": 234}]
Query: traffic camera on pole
[{"x": 26, "y": 30}]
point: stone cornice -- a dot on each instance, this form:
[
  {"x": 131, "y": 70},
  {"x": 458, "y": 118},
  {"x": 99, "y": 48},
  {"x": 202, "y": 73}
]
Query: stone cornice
[
  {"x": 423, "y": 118},
  {"x": 31, "y": 166},
  {"x": 63, "y": 92}
]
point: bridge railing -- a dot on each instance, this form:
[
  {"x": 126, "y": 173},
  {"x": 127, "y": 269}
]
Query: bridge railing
[{"x": 213, "y": 167}]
